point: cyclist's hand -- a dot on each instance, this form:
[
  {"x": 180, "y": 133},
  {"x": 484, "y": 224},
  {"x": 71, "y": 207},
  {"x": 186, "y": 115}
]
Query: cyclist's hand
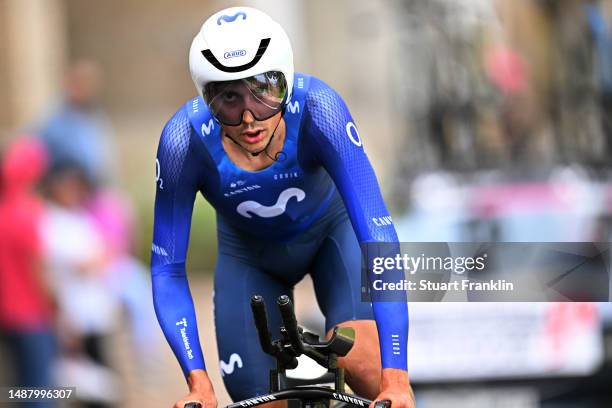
[
  {"x": 201, "y": 391},
  {"x": 205, "y": 400},
  {"x": 395, "y": 387}
]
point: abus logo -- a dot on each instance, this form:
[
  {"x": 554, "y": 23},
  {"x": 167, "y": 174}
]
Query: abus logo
[
  {"x": 247, "y": 207},
  {"x": 234, "y": 54}
]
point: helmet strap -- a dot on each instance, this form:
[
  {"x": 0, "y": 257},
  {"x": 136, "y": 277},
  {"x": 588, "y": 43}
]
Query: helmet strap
[{"x": 265, "y": 149}]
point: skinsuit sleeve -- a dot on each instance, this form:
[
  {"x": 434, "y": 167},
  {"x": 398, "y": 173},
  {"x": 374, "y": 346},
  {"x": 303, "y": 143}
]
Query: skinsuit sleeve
[
  {"x": 178, "y": 175},
  {"x": 332, "y": 137}
]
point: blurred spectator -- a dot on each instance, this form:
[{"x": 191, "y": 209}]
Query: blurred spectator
[
  {"x": 26, "y": 311},
  {"x": 89, "y": 236},
  {"x": 77, "y": 261},
  {"x": 125, "y": 275},
  {"x": 79, "y": 131}
]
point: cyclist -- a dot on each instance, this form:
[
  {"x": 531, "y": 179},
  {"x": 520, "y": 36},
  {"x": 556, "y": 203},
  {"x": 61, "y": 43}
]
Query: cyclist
[{"x": 278, "y": 156}]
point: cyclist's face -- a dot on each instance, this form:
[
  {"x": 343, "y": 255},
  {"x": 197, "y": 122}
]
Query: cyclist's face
[
  {"x": 263, "y": 95},
  {"x": 252, "y": 133}
]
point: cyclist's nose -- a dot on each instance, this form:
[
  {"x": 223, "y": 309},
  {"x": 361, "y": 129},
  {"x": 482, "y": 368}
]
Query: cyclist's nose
[{"x": 247, "y": 117}]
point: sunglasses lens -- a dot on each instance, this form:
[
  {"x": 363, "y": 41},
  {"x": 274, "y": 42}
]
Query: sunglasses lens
[{"x": 263, "y": 95}]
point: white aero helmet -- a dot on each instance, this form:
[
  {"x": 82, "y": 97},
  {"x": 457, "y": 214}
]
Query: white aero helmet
[{"x": 237, "y": 43}]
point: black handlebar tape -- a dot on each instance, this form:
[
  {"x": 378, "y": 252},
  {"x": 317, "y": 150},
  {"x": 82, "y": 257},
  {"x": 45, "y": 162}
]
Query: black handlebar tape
[
  {"x": 290, "y": 322},
  {"x": 261, "y": 323},
  {"x": 193, "y": 405},
  {"x": 382, "y": 404}
]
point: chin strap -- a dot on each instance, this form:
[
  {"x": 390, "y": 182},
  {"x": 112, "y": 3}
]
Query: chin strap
[{"x": 265, "y": 149}]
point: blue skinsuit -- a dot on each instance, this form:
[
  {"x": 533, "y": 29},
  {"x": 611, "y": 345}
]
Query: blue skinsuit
[{"x": 306, "y": 213}]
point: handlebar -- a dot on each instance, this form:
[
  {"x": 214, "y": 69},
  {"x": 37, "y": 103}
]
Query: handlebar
[
  {"x": 310, "y": 395},
  {"x": 288, "y": 315},
  {"x": 261, "y": 323},
  {"x": 378, "y": 404},
  {"x": 269, "y": 347}
]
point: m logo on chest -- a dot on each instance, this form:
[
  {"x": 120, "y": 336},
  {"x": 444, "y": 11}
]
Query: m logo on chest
[{"x": 247, "y": 208}]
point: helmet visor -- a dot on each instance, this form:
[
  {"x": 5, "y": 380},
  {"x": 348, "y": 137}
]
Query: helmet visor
[{"x": 263, "y": 95}]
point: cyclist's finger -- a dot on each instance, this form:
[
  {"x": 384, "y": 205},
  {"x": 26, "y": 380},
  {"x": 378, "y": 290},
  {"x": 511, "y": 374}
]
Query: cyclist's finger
[{"x": 382, "y": 404}]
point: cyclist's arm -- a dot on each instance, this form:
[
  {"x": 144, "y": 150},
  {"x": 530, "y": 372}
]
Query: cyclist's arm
[
  {"x": 177, "y": 179},
  {"x": 332, "y": 137}
]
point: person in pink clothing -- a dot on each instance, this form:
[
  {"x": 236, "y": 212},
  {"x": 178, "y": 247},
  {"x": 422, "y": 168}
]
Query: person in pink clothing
[{"x": 26, "y": 305}]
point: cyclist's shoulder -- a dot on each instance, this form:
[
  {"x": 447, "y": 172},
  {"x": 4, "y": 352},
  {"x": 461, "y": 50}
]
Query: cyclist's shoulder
[
  {"x": 312, "y": 85},
  {"x": 319, "y": 95},
  {"x": 326, "y": 110},
  {"x": 189, "y": 113},
  {"x": 177, "y": 132}
]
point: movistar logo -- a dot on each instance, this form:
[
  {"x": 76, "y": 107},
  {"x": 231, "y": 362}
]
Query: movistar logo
[
  {"x": 294, "y": 107},
  {"x": 247, "y": 208},
  {"x": 234, "y": 54},
  {"x": 230, "y": 366},
  {"x": 231, "y": 19}
]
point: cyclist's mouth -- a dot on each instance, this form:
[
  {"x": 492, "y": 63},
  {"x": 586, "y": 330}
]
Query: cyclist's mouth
[{"x": 253, "y": 136}]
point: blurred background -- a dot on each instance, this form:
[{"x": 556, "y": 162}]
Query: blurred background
[{"x": 486, "y": 120}]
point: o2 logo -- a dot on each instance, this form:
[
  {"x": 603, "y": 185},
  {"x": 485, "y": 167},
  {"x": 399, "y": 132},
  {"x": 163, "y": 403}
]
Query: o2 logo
[
  {"x": 158, "y": 180},
  {"x": 353, "y": 134}
]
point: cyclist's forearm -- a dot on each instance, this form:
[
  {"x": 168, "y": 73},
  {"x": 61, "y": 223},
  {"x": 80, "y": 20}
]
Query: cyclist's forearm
[
  {"x": 199, "y": 381},
  {"x": 176, "y": 315},
  {"x": 392, "y": 324},
  {"x": 392, "y": 377}
]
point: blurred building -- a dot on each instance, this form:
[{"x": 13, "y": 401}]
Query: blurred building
[{"x": 143, "y": 51}]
